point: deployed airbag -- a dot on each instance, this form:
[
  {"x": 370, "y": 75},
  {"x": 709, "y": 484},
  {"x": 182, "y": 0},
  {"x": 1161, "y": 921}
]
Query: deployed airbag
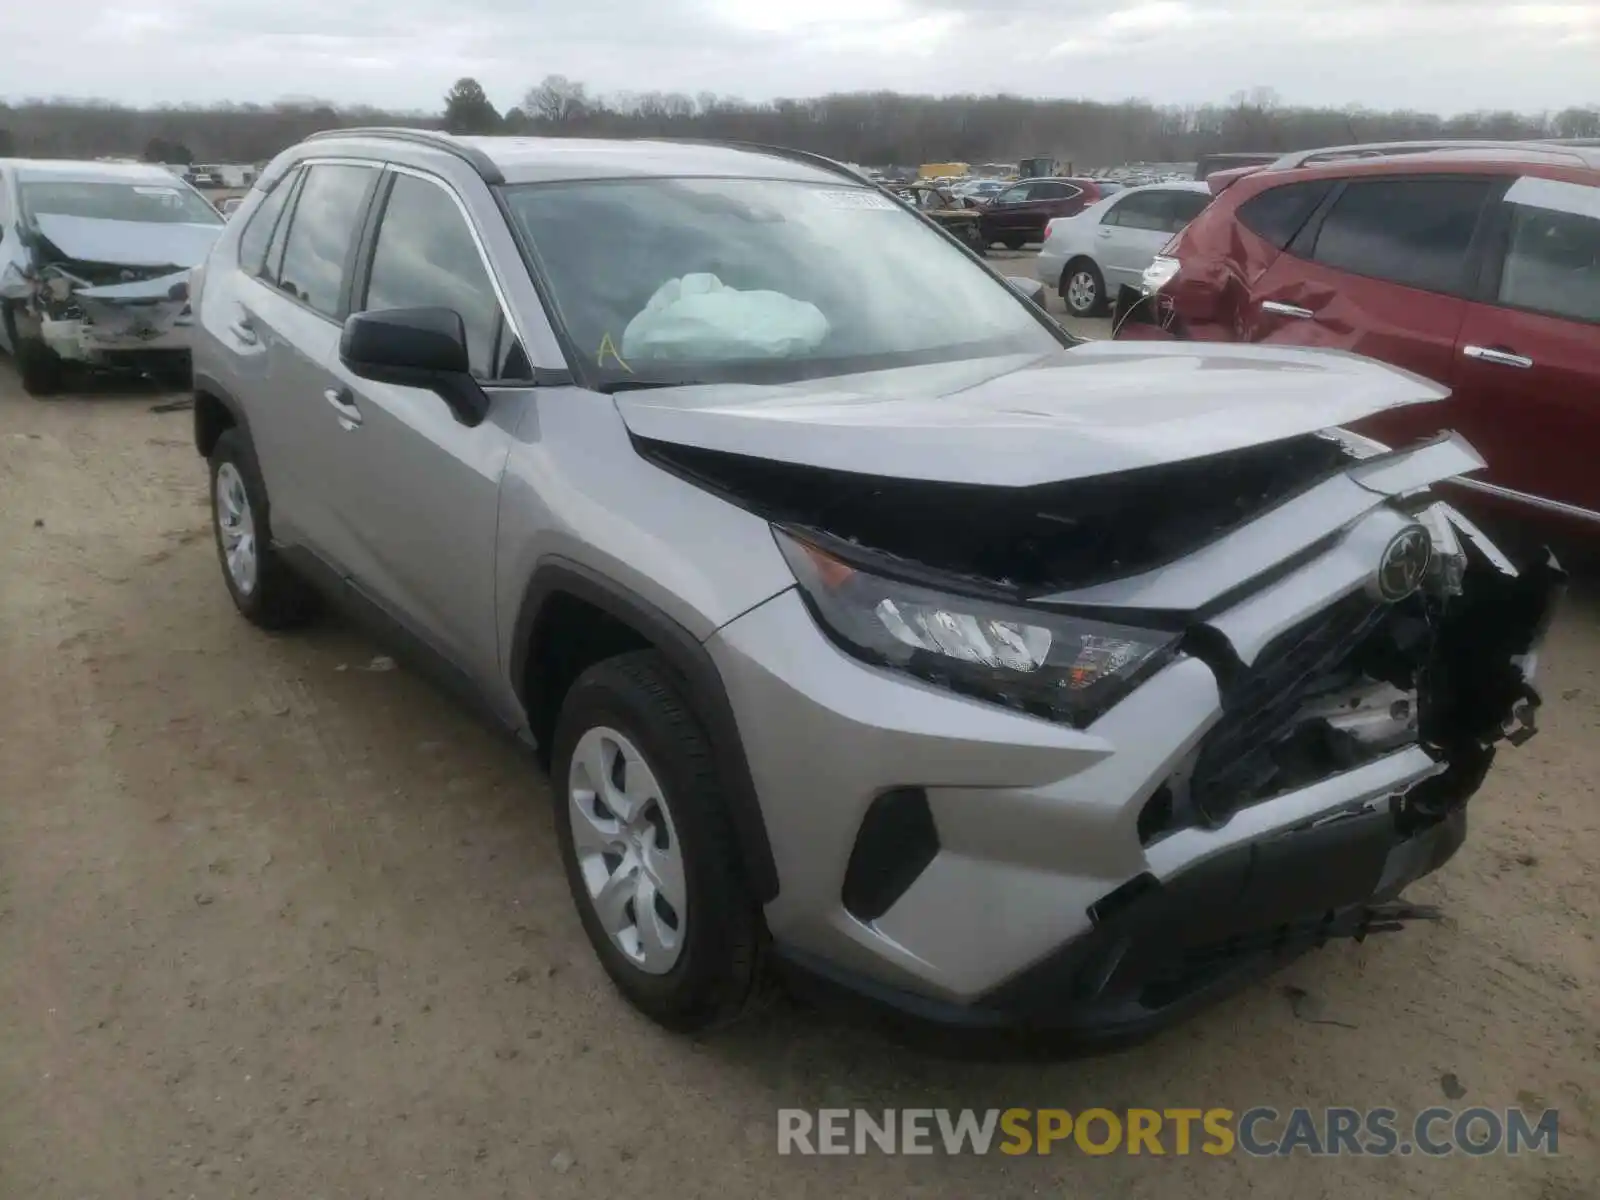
[{"x": 697, "y": 317}]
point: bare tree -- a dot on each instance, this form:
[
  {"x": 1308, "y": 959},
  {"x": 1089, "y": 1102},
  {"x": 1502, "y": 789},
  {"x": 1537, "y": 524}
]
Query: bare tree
[{"x": 557, "y": 100}]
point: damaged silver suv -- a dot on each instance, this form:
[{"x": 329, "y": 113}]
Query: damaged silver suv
[
  {"x": 94, "y": 267},
  {"x": 919, "y": 650}
]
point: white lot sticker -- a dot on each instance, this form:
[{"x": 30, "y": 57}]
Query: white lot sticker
[
  {"x": 857, "y": 198},
  {"x": 155, "y": 191}
]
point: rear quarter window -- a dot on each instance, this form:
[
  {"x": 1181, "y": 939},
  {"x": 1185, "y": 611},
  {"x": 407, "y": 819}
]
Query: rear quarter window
[{"x": 1279, "y": 213}]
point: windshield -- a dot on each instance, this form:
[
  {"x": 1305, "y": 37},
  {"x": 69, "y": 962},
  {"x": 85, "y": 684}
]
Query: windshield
[
  {"x": 149, "y": 203},
  {"x": 664, "y": 281}
]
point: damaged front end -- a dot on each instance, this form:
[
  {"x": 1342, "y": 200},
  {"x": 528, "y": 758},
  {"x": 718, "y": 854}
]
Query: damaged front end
[
  {"x": 1288, "y": 668},
  {"x": 129, "y": 317},
  {"x": 102, "y": 292}
]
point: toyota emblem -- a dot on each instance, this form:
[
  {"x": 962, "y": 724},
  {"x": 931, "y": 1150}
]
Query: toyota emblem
[{"x": 1404, "y": 563}]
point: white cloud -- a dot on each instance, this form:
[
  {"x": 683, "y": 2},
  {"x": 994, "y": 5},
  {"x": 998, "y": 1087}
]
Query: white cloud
[{"x": 1443, "y": 55}]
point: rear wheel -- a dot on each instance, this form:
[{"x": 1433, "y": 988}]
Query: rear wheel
[
  {"x": 1083, "y": 289},
  {"x": 264, "y": 589},
  {"x": 1014, "y": 241}
]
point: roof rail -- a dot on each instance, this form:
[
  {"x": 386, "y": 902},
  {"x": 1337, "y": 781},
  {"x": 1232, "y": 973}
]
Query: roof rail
[
  {"x": 820, "y": 161},
  {"x": 1303, "y": 158},
  {"x": 437, "y": 139}
]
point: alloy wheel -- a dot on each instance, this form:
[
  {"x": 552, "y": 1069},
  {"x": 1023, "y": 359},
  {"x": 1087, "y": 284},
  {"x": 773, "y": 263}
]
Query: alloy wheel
[
  {"x": 1082, "y": 293},
  {"x": 628, "y": 850},
  {"x": 237, "y": 527}
]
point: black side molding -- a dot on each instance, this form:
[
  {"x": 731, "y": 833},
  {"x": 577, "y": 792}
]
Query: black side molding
[{"x": 699, "y": 674}]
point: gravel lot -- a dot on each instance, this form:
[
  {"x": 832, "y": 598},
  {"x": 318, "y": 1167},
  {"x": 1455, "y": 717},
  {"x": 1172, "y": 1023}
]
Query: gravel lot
[{"x": 276, "y": 921}]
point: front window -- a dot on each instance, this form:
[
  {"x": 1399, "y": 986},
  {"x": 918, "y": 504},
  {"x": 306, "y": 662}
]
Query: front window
[
  {"x": 665, "y": 281},
  {"x": 146, "y": 203}
]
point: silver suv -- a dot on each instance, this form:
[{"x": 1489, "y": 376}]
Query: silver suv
[{"x": 912, "y": 646}]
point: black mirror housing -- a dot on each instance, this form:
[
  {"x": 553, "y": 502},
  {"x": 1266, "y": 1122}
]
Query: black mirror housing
[{"x": 415, "y": 347}]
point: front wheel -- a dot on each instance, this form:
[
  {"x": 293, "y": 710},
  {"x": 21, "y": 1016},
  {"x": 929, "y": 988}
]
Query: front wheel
[
  {"x": 648, "y": 846},
  {"x": 1013, "y": 241},
  {"x": 40, "y": 367}
]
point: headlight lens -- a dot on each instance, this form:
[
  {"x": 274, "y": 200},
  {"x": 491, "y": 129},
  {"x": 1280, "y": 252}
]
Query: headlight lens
[{"x": 1060, "y": 667}]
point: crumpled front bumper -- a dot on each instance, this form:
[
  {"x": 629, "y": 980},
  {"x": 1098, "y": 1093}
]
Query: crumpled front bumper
[
  {"x": 1042, "y": 904},
  {"x": 105, "y": 323}
]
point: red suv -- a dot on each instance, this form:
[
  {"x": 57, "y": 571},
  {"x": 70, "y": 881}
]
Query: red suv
[
  {"x": 1019, "y": 214},
  {"x": 1477, "y": 266}
]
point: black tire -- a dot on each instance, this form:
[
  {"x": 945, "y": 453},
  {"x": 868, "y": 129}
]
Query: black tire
[
  {"x": 40, "y": 367},
  {"x": 715, "y": 974},
  {"x": 1095, "y": 281},
  {"x": 278, "y": 598},
  {"x": 1013, "y": 241}
]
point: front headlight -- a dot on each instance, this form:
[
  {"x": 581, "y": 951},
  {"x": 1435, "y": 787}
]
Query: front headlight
[{"x": 1060, "y": 667}]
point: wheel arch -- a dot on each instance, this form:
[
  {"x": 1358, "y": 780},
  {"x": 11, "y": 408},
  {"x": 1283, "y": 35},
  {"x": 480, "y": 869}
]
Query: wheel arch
[
  {"x": 571, "y": 617},
  {"x": 216, "y": 410}
]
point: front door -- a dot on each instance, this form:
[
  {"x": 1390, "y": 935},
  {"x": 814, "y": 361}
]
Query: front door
[{"x": 419, "y": 490}]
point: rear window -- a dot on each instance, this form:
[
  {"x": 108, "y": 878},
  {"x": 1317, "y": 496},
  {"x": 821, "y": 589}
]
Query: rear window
[
  {"x": 1279, "y": 213},
  {"x": 1414, "y": 232}
]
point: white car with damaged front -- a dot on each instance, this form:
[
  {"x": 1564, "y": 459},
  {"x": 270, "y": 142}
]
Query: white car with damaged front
[{"x": 94, "y": 267}]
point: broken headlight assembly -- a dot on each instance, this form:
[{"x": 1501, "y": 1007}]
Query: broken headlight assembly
[{"x": 1053, "y": 665}]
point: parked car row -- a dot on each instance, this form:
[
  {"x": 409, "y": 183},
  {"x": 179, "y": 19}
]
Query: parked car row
[{"x": 1476, "y": 267}]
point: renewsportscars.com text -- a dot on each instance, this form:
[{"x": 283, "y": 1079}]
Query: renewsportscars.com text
[{"x": 1260, "y": 1132}]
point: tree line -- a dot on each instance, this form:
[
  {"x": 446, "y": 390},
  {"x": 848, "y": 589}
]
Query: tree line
[{"x": 873, "y": 128}]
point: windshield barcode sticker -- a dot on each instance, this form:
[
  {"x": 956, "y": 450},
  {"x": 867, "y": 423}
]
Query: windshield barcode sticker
[{"x": 857, "y": 198}]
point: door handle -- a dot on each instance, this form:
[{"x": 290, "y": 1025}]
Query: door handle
[
  {"x": 1287, "y": 310},
  {"x": 1502, "y": 358},
  {"x": 244, "y": 331},
  {"x": 343, "y": 401},
  {"x": 1105, "y": 233}
]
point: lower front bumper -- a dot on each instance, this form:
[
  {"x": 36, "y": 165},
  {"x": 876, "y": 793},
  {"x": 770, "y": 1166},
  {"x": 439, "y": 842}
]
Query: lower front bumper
[
  {"x": 83, "y": 341},
  {"x": 1159, "y": 950}
]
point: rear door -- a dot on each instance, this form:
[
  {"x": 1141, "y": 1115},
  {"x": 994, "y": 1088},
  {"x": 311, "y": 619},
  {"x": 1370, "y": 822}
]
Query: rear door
[
  {"x": 1135, "y": 229},
  {"x": 1528, "y": 356},
  {"x": 283, "y": 331},
  {"x": 1384, "y": 271},
  {"x": 418, "y": 490}
]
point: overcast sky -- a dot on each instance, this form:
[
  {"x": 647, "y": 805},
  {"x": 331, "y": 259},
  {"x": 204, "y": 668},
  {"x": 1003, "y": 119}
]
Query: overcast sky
[{"x": 1439, "y": 55}]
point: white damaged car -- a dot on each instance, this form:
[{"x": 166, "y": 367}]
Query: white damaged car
[{"x": 94, "y": 267}]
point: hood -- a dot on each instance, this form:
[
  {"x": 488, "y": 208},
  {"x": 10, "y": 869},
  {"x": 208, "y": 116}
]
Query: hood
[
  {"x": 1097, "y": 409},
  {"x": 173, "y": 286},
  {"x": 128, "y": 243}
]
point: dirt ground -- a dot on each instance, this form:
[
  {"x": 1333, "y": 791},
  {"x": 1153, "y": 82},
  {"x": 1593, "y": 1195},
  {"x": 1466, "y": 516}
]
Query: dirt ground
[{"x": 277, "y": 921}]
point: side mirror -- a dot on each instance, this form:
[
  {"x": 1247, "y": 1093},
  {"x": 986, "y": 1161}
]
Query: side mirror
[
  {"x": 415, "y": 347},
  {"x": 1032, "y": 289}
]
